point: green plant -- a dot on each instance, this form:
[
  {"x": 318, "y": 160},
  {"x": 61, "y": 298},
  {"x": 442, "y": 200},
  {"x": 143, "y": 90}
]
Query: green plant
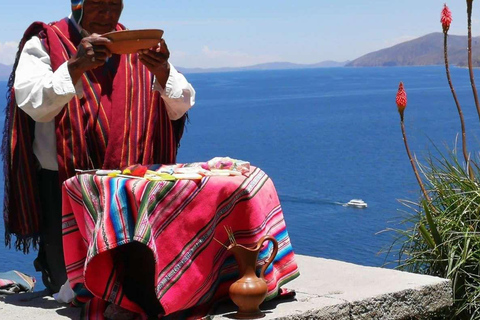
[
  {"x": 441, "y": 232},
  {"x": 442, "y": 237}
]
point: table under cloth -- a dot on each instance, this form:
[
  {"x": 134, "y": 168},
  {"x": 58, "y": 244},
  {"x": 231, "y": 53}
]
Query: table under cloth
[{"x": 178, "y": 221}]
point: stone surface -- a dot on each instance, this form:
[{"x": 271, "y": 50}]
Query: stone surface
[
  {"x": 330, "y": 289},
  {"x": 35, "y": 306},
  {"x": 326, "y": 289}
]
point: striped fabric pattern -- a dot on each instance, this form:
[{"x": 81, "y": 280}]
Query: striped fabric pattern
[
  {"x": 6, "y": 282},
  {"x": 178, "y": 221},
  {"x": 21, "y": 200},
  {"x": 94, "y": 132},
  {"x": 15, "y": 282},
  {"x": 77, "y": 8},
  {"x": 76, "y": 4},
  {"x": 120, "y": 121}
]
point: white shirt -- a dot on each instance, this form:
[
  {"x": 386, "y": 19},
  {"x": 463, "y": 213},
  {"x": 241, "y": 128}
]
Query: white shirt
[{"x": 42, "y": 94}]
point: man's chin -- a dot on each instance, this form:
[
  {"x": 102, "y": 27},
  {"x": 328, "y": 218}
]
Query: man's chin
[{"x": 100, "y": 30}]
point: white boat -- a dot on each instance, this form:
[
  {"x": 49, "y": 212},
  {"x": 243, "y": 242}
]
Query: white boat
[{"x": 357, "y": 203}]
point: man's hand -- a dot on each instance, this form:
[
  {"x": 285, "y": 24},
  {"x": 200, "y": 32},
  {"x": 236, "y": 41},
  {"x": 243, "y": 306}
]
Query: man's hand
[
  {"x": 91, "y": 53},
  {"x": 156, "y": 60}
]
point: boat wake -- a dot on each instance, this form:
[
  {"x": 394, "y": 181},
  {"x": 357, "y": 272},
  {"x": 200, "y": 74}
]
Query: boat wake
[
  {"x": 355, "y": 203},
  {"x": 285, "y": 198}
]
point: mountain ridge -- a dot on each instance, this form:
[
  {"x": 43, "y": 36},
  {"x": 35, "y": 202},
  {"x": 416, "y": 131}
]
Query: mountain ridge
[
  {"x": 267, "y": 66},
  {"x": 6, "y": 69},
  {"x": 423, "y": 51}
]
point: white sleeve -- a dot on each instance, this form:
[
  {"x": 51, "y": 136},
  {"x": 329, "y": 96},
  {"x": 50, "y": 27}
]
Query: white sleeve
[
  {"x": 39, "y": 91},
  {"x": 179, "y": 95}
]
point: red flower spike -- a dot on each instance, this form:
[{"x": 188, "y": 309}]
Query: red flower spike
[
  {"x": 446, "y": 18},
  {"x": 401, "y": 99}
]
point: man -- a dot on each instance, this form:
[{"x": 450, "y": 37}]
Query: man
[{"x": 75, "y": 105}]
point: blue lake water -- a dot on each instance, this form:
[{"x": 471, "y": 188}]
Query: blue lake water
[{"x": 324, "y": 136}]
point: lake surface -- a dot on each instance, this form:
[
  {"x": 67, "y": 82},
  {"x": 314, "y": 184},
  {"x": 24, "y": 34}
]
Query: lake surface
[{"x": 324, "y": 136}]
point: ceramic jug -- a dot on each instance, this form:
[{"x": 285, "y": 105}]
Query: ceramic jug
[{"x": 249, "y": 291}]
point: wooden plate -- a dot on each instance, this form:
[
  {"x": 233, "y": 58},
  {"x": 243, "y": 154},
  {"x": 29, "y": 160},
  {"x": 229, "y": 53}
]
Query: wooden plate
[{"x": 130, "y": 41}]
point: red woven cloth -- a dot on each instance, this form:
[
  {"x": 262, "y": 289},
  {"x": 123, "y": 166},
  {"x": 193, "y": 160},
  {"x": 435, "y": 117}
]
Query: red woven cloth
[
  {"x": 119, "y": 121},
  {"x": 178, "y": 221}
]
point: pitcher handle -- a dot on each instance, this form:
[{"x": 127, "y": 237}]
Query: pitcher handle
[{"x": 272, "y": 256}]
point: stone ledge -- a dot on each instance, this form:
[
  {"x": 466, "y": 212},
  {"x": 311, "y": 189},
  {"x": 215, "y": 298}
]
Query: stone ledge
[
  {"x": 326, "y": 289},
  {"x": 329, "y": 289}
]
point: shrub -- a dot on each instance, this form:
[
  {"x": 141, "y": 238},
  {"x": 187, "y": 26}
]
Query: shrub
[{"x": 441, "y": 234}]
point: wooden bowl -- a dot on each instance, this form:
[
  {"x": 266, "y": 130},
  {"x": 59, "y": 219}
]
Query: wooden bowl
[{"x": 130, "y": 41}]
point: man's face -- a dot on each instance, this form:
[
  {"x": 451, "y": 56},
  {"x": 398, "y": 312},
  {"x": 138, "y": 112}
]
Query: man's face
[{"x": 101, "y": 16}]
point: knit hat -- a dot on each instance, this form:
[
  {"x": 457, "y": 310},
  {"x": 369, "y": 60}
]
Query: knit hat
[{"x": 77, "y": 10}]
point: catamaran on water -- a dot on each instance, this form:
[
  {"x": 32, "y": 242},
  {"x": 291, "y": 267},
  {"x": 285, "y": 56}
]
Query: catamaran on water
[{"x": 357, "y": 203}]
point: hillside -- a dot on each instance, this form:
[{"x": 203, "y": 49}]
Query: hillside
[
  {"x": 266, "y": 66},
  {"x": 5, "y": 70},
  {"x": 426, "y": 50},
  {"x": 423, "y": 51}
]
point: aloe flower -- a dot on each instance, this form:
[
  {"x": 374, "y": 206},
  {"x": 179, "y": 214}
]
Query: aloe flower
[
  {"x": 446, "y": 18},
  {"x": 401, "y": 100}
]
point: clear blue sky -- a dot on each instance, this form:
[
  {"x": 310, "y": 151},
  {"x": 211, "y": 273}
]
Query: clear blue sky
[{"x": 208, "y": 33}]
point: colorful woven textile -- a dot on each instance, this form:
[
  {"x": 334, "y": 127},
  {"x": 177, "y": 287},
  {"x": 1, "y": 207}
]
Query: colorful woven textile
[
  {"x": 119, "y": 121},
  {"x": 12, "y": 282},
  {"x": 178, "y": 221},
  {"x": 77, "y": 9}
]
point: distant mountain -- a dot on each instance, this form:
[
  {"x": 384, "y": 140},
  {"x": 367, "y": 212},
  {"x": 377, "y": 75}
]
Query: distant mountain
[
  {"x": 426, "y": 50},
  {"x": 423, "y": 51},
  {"x": 267, "y": 66},
  {"x": 329, "y": 64},
  {"x": 5, "y": 72}
]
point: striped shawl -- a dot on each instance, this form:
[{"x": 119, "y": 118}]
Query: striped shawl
[{"x": 119, "y": 121}]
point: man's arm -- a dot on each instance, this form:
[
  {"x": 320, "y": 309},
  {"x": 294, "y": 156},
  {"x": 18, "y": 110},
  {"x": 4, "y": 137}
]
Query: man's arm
[
  {"x": 179, "y": 95},
  {"x": 42, "y": 93},
  {"x": 39, "y": 91}
]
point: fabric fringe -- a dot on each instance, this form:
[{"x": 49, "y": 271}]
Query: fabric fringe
[
  {"x": 23, "y": 242},
  {"x": 5, "y": 150},
  {"x": 179, "y": 127}
]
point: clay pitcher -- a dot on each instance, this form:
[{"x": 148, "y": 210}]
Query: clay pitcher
[{"x": 249, "y": 291}]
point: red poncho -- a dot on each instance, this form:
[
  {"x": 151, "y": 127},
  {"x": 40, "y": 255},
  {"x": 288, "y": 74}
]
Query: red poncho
[{"x": 119, "y": 121}]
